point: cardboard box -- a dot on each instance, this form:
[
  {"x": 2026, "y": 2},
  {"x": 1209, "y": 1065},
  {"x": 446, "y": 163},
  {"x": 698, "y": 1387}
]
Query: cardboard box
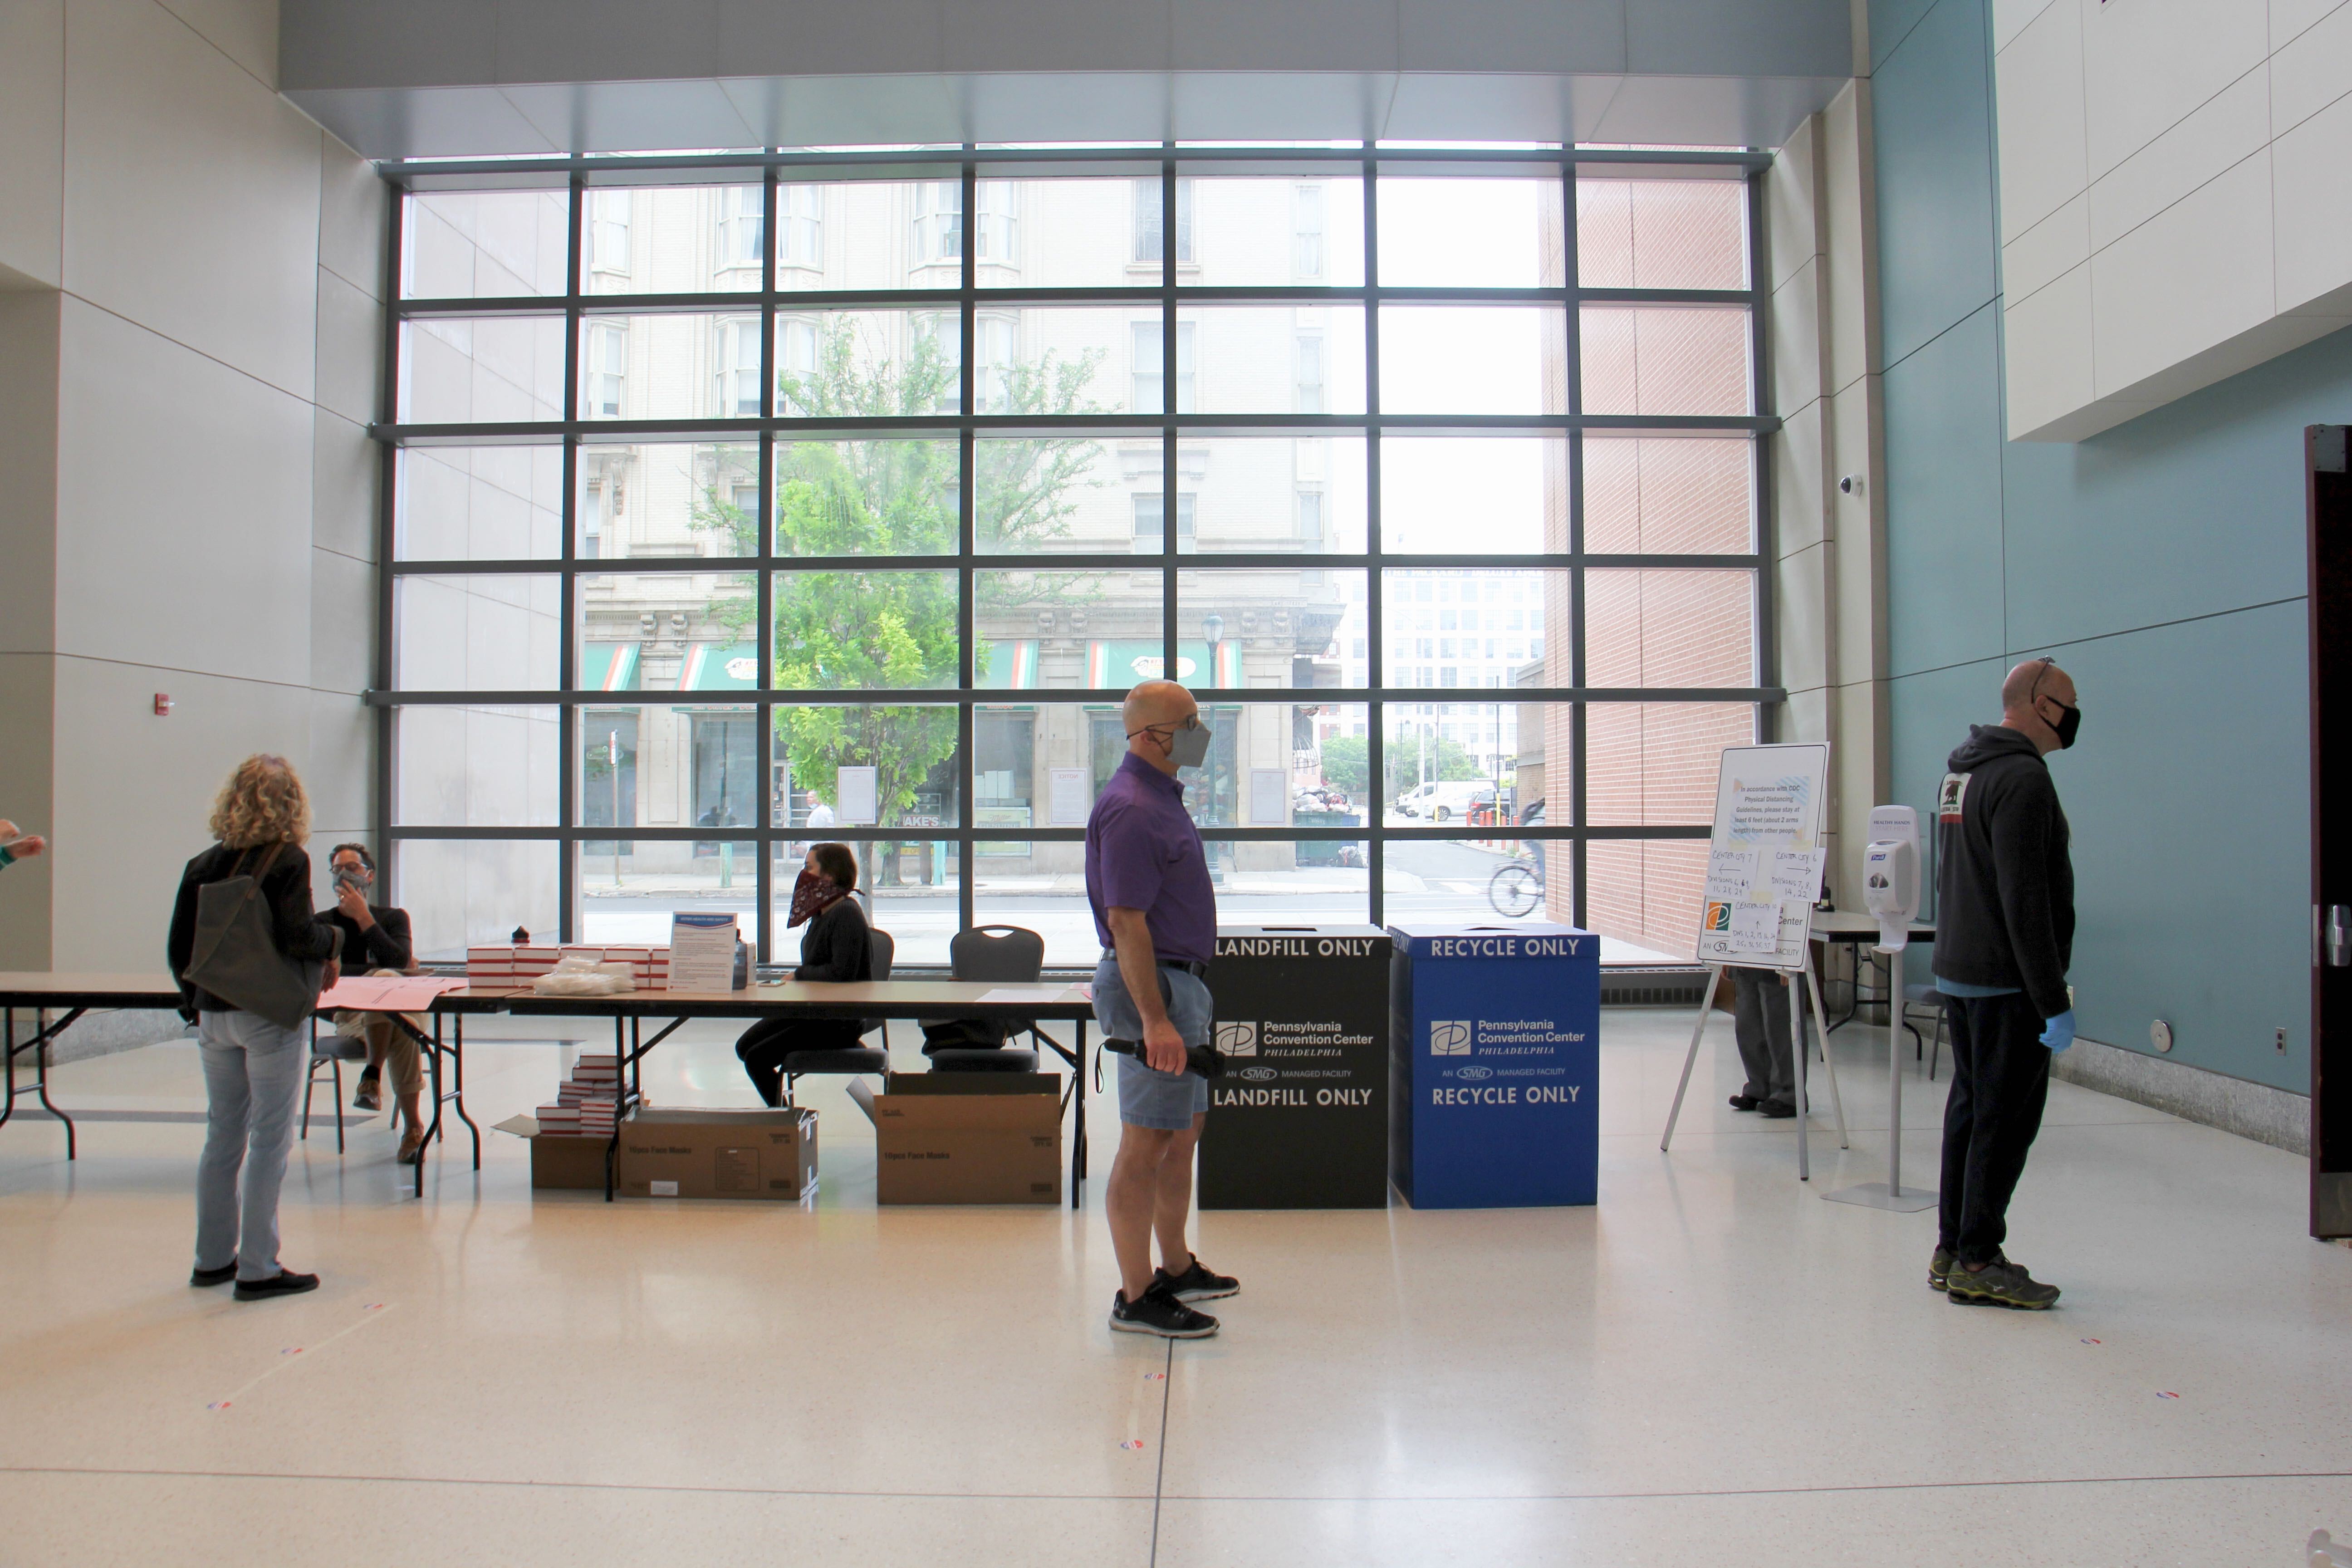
[
  {"x": 566, "y": 1161},
  {"x": 711, "y": 1153},
  {"x": 968, "y": 1138}
]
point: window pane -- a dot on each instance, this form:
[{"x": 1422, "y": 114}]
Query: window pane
[
  {"x": 669, "y": 766},
  {"x": 1048, "y": 493},
  {"x": 478, "y": 503},
  {"x": 1445, "y": 630},
  {"x": 1661, "y": 234},
  {"x": 1654, "y": 763},
  {"x": 1642, "y": 897},
  {"x": 867, "y": 234},
  {"x": 1670, "y": 627},
  {"x": 474, "y": 892},
  {"x": 478, "y": 245},
  {"x": 652, "y": 501},
  {"x": 1650, "y": 495},
  {"x": 1278, "y": 231},
  {"x": 865, "y": 498},
  {"x": 850, "y": 631},
  {"x": 1047, "y": 629},
  {"x": 1068, "y": 233},
  {"x": 1041, "y": 888},
  {"x": 1281, "y": 764},
  {"x": 475, "y": 767},
  {"x": 1665, "y": 359},
  {"x": 1452, "y": 764},
  {"x": 1039, "y": 764},
  {"x": 1473, "y": 359},
  {"x": 629, "y": 888},
  {"x": 676, "y": 367},
  {"x": 1479, "y": 232},
  {"x": 858, "y": 364},
  {"x": 1304, "y": 493},
  {"x": 476, "y": 634},
  {"x": 1484, "y": 495},
  {"x": 672, "y": 239},
  {"x": 1480, "y": 881},
  {"x": 667, "y": 631},
  {"x": 1050, "y": 360},
  {"x": 480, "y": 370},
  {"x": 1286, "y": 628},
  {"x": 1271, "y": 359},
  {"x": 861, "y": 768}
]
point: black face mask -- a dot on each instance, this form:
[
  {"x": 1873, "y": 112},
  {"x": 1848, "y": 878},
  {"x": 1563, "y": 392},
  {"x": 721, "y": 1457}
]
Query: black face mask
[{"x": 2070, "y": 720}]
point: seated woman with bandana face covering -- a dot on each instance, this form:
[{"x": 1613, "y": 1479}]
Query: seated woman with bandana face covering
[{"x": 835, "y": 947}]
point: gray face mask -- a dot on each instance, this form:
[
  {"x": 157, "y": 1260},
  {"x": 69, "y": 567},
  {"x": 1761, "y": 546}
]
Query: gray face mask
[{"x": 1189, "y": 748}]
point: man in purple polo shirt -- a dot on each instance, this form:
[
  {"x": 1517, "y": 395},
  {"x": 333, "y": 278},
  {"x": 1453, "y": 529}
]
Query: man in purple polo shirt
[{"x": 1157, "y": 916}]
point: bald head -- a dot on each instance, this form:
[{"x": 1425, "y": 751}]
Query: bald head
[
  {"x": 2036, "y": 699},
  {"x": 1151, "y": 715}
]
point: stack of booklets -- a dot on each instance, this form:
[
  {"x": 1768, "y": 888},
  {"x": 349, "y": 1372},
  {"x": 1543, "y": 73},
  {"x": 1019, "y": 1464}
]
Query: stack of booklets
[{"x": 587, "y": 1103}]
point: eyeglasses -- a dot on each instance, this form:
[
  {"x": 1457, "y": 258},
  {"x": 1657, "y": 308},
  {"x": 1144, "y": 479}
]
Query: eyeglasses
[{"x": 1192, "y": 722}]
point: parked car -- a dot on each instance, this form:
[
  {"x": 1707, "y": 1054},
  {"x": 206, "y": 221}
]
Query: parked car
[{"x": 1445, "y": 802}]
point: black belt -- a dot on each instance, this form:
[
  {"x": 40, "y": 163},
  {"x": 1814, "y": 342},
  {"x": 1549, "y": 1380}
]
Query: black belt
[{"x": 1193, "y": 967}]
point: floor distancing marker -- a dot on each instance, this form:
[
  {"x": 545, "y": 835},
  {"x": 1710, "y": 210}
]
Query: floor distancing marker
[{"x": 368, "y": 1313}]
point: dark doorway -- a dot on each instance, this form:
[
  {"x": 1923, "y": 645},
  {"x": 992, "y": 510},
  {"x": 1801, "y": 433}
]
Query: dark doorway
[{"x": 2331, "y": 839}]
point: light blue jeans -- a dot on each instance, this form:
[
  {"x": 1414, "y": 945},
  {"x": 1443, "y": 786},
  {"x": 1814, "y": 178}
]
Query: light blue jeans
[{"x": 253, "y": 1080}]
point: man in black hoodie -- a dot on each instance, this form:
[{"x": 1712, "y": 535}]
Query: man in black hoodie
[{"x": 2004, "y": 936}]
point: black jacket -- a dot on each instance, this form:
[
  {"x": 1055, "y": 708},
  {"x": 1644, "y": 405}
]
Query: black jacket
[
  {"x": 384, "y": 945},
  {"x": 2004, "y": 887},
  {"x": 301, "y": 934},
  {"x": 836, "y": 945}
]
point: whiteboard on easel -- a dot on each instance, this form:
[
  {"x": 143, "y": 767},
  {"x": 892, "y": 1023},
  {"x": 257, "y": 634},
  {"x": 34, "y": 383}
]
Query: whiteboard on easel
[{"x": 1764, "y": 856}]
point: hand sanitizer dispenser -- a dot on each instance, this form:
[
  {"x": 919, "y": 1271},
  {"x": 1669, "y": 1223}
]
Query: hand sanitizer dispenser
[{"x": 1890, "y": 874}]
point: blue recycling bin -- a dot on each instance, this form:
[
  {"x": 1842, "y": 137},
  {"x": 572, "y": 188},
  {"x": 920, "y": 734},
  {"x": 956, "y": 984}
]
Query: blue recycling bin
[{"x": 1495, "y": 1065}]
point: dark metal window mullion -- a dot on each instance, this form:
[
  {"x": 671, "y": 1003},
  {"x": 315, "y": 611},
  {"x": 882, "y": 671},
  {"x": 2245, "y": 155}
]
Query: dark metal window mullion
[
  {"x": 1170, "y": 605},
  {"x": 1767, "y": 643},
  {"x": 387, "y": 502},
  {"x": 763, "y": 744},
  {"x": 1579, "y": 792},
  {"x": 967, "y": 580},
  {"x": 567, "y": 632},
  {"x": 1375, "y": 679}
]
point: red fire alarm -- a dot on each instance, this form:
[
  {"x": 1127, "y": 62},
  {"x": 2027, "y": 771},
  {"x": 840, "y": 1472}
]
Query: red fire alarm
[{"x": 162, "y": 705}]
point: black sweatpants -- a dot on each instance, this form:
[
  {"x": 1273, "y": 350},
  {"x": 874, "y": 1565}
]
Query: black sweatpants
[
  {"x": 764, "y": 1046},
  {"x": 2000, "y": 1077},
  {"x": 1759, "y": 1002}
]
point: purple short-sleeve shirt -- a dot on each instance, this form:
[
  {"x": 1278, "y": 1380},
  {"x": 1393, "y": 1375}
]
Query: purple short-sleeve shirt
[{"x": 1144, "y": 853}]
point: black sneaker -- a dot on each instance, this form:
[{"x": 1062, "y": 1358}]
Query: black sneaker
[
  {"x": 1999, "y": 1283},
  {"x": 284, "y": 1282},
  {"x": 221, "y": 1276},
  {"x": 1777, "y": 1109},
  {"x": 1940, "y": 1264},
  {"x": 1744, "y": 1102},
  {"x": 368, "y": 1097},
  {"x": 1158, "y": 1313},
  {"x": 1197, "y": 1283}
]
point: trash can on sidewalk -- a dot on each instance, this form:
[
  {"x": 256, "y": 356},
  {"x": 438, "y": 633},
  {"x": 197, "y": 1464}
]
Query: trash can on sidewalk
[
  {"x": 1300, "y": 1119},
  {"x": 1494, "y": 1042}
]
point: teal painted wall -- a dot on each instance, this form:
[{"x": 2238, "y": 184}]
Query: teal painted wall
[{"x": 2162, "y": 563}]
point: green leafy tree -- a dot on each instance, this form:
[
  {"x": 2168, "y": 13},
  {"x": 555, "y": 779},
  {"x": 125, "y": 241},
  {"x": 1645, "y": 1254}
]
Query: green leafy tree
[{"x": 888, "y": 498}]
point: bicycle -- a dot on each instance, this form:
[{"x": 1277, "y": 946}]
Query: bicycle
[{"x": 1516, "y": 888}]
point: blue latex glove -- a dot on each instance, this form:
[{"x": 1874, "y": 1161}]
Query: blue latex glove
[{"x": 2058, "y": 1033}]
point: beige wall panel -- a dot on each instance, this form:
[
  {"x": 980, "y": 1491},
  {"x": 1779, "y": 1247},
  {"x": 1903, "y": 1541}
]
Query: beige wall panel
[
  {"x": 192, "y": 192},
  {"x": 29, "y": 472},
  {"x": 27, "y": 693},
  {"x": 183, "y": 536},
  {"x": 32, "y": 139}
]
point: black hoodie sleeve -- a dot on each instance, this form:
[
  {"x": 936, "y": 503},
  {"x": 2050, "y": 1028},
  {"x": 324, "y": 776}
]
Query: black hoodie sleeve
[
  {"x": 836, "y": 945},
  {"x": 2026, "y": 828}
]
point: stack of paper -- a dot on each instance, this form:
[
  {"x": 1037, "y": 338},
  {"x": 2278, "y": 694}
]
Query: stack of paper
[{"x": 587, "y": 1104}]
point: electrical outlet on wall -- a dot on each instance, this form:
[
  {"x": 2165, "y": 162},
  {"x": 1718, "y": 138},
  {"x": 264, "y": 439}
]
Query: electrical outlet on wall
[{"x": 2281, "y": 1042}]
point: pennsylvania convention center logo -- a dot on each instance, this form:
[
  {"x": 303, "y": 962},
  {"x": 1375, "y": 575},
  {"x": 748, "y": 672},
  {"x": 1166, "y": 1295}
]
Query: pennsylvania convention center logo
[
  {"x": 1449, "y": 1037},
  {"x": 1237, "y": 1039}
]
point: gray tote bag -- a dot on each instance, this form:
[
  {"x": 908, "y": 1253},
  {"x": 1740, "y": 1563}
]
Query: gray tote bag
[{"x": 236, "y": 957}]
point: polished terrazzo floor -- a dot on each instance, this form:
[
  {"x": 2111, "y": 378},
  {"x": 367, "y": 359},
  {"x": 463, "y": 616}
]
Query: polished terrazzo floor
[{"x": 1712, "y": 1366}]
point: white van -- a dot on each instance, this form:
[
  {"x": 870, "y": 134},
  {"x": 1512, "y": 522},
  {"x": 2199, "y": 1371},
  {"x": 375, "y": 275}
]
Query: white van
[{"x": 1445, "y": 802}]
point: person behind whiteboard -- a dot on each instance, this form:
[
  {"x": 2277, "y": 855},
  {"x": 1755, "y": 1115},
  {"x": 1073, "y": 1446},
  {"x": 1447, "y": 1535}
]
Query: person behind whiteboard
[
  {"x": 1760, "y": 1025},
  {"x": 837, "y": 946}
]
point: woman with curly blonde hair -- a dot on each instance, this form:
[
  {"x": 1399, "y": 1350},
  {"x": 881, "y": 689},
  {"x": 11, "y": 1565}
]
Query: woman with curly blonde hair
[{"x": 253, "y": 1067}]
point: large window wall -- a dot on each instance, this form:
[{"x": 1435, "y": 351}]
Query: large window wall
[{"x": 737, "y": 502}]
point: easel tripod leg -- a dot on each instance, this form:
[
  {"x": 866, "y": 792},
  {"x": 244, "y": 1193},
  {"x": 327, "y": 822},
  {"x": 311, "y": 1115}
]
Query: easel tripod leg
[
  {"x": 1705, "y": 1006},
  {"x": 1837, "y": 1104}
]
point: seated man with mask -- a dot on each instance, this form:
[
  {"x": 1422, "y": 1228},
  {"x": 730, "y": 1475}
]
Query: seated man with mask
[{"x": 376, "y": 942}]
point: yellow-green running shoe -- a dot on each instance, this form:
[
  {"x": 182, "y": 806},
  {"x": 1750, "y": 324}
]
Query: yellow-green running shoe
[{"x": 1999, "y": 1283}]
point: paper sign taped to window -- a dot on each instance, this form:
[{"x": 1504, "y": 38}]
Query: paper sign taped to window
[
  {"x": 853, "y": 794},
  {"x": 1070, "y": 800}
]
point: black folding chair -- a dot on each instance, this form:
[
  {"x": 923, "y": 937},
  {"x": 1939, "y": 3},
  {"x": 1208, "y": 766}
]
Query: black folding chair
[
  {"x": 1002, "y": 955},
  {"x": 850, "y": 1061}
]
